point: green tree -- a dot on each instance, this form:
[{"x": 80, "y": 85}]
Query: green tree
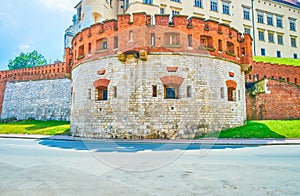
[{"x": 27, "y": 60}]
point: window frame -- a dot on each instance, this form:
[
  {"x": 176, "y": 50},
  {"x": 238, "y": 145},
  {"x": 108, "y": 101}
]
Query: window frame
[
  {"x": 279, "y": 21},
  {"x": 260, "y": 17},
  {"x": 225, "y": 8},
  {"x": 198, "y": 3},
  {"x": 246, "y": 13},
  {"x": 261, "y": 35},
  {"x": 280, "y": 39},
  {"x": 214, "y": 5}
]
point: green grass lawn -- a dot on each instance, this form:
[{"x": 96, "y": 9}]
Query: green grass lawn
[
  {"x": 275, "y": 60},
  {"x": 262, "y": 129},
  {"x": 35, "y": 127}
]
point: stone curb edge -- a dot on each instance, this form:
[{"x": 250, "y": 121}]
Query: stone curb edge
[{"x": 214, "y": 141}]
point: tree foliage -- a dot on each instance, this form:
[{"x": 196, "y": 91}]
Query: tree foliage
[{"x": 27, "y": 60}]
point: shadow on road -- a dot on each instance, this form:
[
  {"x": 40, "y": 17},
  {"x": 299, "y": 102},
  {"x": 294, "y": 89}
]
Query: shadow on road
[{"x": 119, "y": 146}]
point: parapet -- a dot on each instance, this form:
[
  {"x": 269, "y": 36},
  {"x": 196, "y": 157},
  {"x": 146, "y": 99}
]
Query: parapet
[
  {"x": 51, "y": 71},
  {"x": 189, "y": 35}
]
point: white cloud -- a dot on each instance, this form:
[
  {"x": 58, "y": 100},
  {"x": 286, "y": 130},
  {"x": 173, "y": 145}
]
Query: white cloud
[
  {"x": 59, "y": 5},
  {"x": 24, "y": 47}
]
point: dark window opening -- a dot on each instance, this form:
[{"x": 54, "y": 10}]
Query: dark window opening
[
  {"x": 231, "y": 94},
  {"x": 189, "y": 91},
  {"x": 154, "y": 91},
  {"x": 102, "y": 93},
  {"x": 171, "y": 92}
]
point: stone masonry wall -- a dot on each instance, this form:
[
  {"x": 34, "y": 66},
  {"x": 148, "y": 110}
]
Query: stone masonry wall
[
  {"x": 282, "y": 103},
  {"x": 41, "y": 99},
  {"x": 131, "y": 111}
]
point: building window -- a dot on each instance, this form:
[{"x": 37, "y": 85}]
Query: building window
[
  {"x": 214, "y": 5},
  {"x": 89, "y": 93},
  {"x": 175, "y": 13},
  {"x": 115, "y": 92},
  {"x": 226, "y": 8},
  {"x": 152, "y": 36},
  {"x": 270, "y": 19},
  {"x": 247, "y": 30},
  {"x": 279, "y": 21},
  {"x": 295, "y": 55},
  {"x": 222, "y": 92},
  {"x": 162, "y": 10},
  {"x": 116, "y": 42},
  {"x": 102, "y": 93},
  {"x": 293, "y": 42},
  {"x": 178, "y": 1},
  {"x": 190, "y": 41},
  {"x": 81, "y": 51},
  {"x": 246, "y": 12},
  {"x": 220, "y": 45},
  {"x": 230, "y": 48},
  {"x": 278, "y": 53},
  {"x": 260, "y": 17},
  {"x": 101, "y": 44},
  {"x": 263, "y": 52},
  {"x": 171, "y": 92},
  {"x": 189, "y": 91},
  {"x": 261, "y": 35},
  {"x": 90, "y": 48},
  {"x": 148, "y": 1},
  {"x": 172, "y": 38},
  {"x": 271, "y": 37},
  {"x": 292, "y": 24},
  {"x": 231, "y": 92},
  {"x": 280, "y": 39},
  {"x": 239, "y": 95},
  {"x": 130, "y": 36},
  {"x": 154, "y": 91},
  {"x": 126, "y": 4},
  {"x": 198, "y": 3},
  {"x": 206, "y": 41}
]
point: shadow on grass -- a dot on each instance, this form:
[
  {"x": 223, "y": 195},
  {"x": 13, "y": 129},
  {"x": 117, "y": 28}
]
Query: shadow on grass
[
  {"x": 250, "y": 130},
  {"x": 119, "y": 146},
  {"x": 36, "y": 125}
]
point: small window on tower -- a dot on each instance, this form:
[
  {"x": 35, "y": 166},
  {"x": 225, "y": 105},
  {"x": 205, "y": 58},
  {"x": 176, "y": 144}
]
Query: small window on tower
[{"x": 154, "y": 91}]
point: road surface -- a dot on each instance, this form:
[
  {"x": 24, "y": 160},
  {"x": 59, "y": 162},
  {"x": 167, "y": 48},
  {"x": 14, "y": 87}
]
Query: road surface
[{"x": 51, "y": 167}]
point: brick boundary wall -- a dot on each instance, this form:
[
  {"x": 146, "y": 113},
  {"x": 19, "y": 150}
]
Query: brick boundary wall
[
  {"x": 286, "y": 73},
  {"x": 46, "y": 72},
  {"x": 283, "y": 102}
]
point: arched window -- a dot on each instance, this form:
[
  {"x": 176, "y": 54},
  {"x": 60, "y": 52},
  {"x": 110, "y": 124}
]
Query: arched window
[
  {"x": 231, "y": 90},
  {"x": 101, "y": 87},
  {"x": 171, "y": 86}
]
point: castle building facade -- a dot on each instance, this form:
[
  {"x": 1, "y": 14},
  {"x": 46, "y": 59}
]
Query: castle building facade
[
  {"x": 133, "y": 79},
  {"x": 273, "y": 24}
]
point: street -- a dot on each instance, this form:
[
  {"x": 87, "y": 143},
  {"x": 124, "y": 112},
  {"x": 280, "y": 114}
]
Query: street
[{"x": 49, "y": 167}]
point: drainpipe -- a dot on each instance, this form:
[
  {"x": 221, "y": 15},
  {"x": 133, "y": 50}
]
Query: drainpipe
[{"x": 253, "y": 28}]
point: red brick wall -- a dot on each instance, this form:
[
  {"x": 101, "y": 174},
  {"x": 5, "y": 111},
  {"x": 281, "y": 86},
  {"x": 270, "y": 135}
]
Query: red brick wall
[
  {"x": 282, "y": 103},
  {"x": 141, "y": 28},
  {"x": 281, "y": 72}
]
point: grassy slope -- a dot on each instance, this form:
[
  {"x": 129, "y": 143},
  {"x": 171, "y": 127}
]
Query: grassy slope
[
  {"x": 35, "y": 127},
  {"x": 274, "y": 60},
  {"x": 263, "y": 129}
]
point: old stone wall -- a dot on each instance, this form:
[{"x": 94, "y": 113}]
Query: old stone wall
[
  {"x": 131, "y": 110},
  {"x": 281, "y": 102},
  {"x": 41, "y": 99}
]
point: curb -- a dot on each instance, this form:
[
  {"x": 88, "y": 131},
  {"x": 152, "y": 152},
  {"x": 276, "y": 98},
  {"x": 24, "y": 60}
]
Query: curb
[{"x": 214, "y": 141}]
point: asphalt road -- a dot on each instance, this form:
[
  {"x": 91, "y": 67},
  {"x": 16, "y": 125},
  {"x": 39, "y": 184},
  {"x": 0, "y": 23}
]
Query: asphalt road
[{"x": 55, "y": 167}]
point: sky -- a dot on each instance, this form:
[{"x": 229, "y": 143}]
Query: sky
[{"x": 27, "y": 25}]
